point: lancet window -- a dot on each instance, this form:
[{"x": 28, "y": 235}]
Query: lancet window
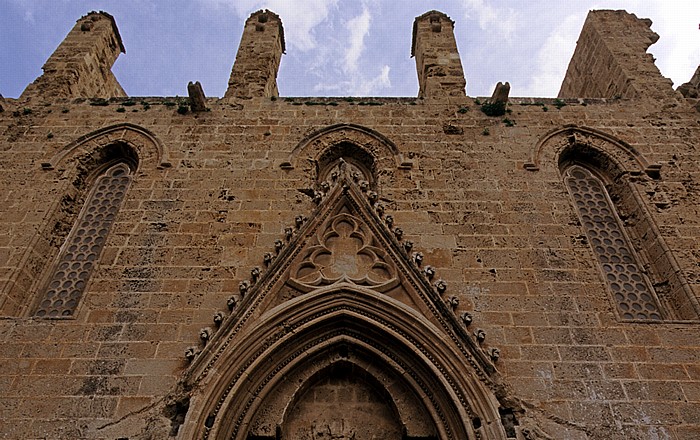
[
  {"x": 622, "y": 268},
  {"x": 83, "y": 246}
]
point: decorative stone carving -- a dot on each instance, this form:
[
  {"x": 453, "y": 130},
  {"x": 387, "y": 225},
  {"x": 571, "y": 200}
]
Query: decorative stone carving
[
  {"x": 205, "y": 334},
  {"x": 453, "y": 302},
  {"x": 84, "y": 244},
  {"x": 441, "y": 286},
  {"x": 380, "y": 209},
  {"x": 267, "y": 258},
  {"x": 344, "y": 252},
  {"x": 243, "y": 287},
  {"x": 467, "y": 318},
  {"x": 218, "y": 318},
  {"x": 418, "y": 258},
  {"x": 231, "y": 303},
  {"x": 480, "y": 335},
  {"x": 372, "y": 196},
  {"x": 389, "y": 219},
  {"x": 495, "y": 354},
  {"x": 190, "y": 353},
  {"x": 634, "y": 295}
]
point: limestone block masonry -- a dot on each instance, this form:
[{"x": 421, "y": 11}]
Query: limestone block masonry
[{"x": 430, "y": 267}]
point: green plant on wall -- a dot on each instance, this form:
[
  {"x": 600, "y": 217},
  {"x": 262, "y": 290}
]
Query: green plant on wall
[{"x": 494, "y": 108}]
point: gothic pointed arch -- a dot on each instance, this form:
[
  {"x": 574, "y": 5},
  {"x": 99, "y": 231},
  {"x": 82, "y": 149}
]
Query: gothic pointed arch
[
  {"x": 616, "y": 153},
  {"x": 109, "y": 156},
  {"x": 350, "y": 140},
  {"x": 142, "y": 143},
  {"x": 602, "y": 174},
  {"x": 67, "y": 280},
  {"x": 339, "y": 334}
]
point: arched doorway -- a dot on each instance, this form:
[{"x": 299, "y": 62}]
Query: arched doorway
[{"x": 342, "y": 401}]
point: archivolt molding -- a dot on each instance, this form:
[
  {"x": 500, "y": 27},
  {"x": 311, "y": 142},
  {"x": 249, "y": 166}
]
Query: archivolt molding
[
  {"x": 400, "y": 391},
  {"x": 313, "y": 146},
  {"x": 625, "y": 157},
  {"x": 144, "y": 143},
  {"x": 292, "y": 332}
]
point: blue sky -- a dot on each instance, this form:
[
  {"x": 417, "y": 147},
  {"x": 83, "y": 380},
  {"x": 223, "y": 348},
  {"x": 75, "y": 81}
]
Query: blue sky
[{"x": 337, "y": 47}]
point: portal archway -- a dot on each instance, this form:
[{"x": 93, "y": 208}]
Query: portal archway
[
  {"x": 395, "y": 352},
  {"x": 342, "y": 401}
]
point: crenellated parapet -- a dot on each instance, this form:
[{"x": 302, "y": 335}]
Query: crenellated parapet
[
  {"x": 434, "y": 46},
  {"x": 254, "y": 73},
  {"x": 611, "y": 60},
  {"x": 81, "y": 65}
]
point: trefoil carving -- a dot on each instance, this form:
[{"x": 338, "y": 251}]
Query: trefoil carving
[{"x": 344, "y": 252}]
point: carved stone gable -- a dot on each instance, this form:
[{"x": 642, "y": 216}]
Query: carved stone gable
[{"x": 343, "y": 336}]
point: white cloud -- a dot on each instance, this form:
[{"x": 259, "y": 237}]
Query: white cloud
[
  {"x": 359, "y": 28},
  {"x": 381, "y": 81},
  {"x": 490, "y": 18},
  {"x": 553, "y": 58},
  {"x": 357, "y": 85},
  {"x": 299, "y": 17},
  {"x": 27, "y": 9}
]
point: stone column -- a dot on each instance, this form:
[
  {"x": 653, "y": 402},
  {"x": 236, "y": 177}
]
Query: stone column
[
  {"x": 254, "y": 73},
  {"x": 81, "y": 65},
  {"x": 439, "y": 68}
]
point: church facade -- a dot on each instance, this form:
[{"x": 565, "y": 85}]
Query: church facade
[{"x": 431, "y": 267}]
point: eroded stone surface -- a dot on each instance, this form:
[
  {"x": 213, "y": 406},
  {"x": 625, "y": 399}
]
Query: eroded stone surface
[{"x": 451, "y": 194}]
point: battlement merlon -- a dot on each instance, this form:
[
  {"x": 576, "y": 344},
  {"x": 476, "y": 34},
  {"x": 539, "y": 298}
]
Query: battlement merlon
[
  {"x": 438, "y": 65},
  {"x": 611, "y": 60},
  {"x": 81, "y": 65},
  {"x": 254, "y": 73}
]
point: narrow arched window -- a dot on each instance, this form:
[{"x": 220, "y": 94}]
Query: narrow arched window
[
  {"x": 84, "y": 244},
  {"x": 360, "y": 163},
  {"x": 621, "y": 266}
]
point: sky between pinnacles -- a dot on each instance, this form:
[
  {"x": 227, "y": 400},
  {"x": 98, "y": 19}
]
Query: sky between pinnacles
[{"x": 337, "y": 47}]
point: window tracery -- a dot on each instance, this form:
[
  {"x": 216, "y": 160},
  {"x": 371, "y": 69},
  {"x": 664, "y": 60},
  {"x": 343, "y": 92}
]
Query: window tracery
[
  {"x": 84, "y": 244},
  {"x": 633, "y": 293}
]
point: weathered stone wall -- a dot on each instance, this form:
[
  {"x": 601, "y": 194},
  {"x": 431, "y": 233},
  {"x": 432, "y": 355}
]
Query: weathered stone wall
[
  {"x": 482, "y": 198},
  {"x": 257, "y": 62},
  {"x": 80, "y": 66},
  {"x": 439, "y": 67},
  {"x": 611, "y": 60}
]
